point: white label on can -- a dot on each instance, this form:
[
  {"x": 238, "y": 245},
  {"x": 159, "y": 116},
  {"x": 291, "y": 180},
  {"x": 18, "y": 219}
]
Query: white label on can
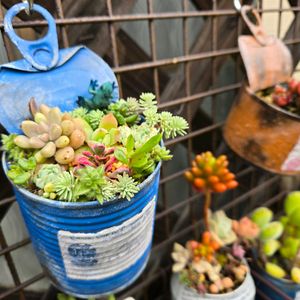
[
  {"x": 297, "y": 297},
  {"x": 292, "y": 162},
  {"x": 90, "y": 256}
]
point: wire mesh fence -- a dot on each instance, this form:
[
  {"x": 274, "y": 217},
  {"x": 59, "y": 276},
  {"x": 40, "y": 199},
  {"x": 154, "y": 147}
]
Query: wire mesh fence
[{"x": 186, "y": 52}]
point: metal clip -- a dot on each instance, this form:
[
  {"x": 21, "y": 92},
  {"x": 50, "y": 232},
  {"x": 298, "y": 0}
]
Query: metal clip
[{"x": 30, "y": 5}]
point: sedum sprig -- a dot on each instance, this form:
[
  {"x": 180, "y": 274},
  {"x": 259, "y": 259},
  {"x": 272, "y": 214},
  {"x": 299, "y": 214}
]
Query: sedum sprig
[
  {"x": 147, "y": 101},
  {"x": 65, "y": 187},
  {"x": 21, "y": 170},
  {"x": 177, "y": 126},
  {"x": 94, "y": 117},
  {"x": 13, "y": 151},
  {"x": 93, "y": 184},
  {"x": 79, "y": 112},
  {"x": 125, "y": 186},
  {"x": 132, "y": 104}
]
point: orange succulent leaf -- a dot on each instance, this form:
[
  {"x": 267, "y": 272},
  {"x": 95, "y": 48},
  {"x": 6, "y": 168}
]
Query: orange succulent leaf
[{"x": 206, "y": 237}]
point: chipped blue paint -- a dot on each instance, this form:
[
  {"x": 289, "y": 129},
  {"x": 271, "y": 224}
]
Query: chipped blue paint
[{"x": 56, "y": 78}]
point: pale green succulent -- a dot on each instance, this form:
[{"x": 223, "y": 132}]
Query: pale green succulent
[
  {"x": 47, "y": 173},
  {"x": 221, "y": 228},
  {"x": 291, "y": 202},
  {"x": 275, "y": 270},
  {"x": 270, "y": 247},
  {"x": 271, "y": 231},
  {"x": 262, "y": 216}
]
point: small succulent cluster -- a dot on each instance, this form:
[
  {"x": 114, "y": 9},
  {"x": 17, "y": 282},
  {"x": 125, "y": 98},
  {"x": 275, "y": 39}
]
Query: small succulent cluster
[
  {"x": 97, "y": 151},
  {"x": 211, "y": 173},
  {"x": 279, "y": 241},
  {"x": 284, "y": 95},
  {"x": 207, "y": 267}
]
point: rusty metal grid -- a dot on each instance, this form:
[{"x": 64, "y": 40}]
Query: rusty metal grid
[{"x": 256, "y": 186}]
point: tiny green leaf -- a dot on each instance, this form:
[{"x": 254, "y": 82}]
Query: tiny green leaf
[
  {"x": 139, "y": 161},
  {"x": 130, "y": 144},
  {"x": 121, "y": 155},
  {"x": 22, "y": 178},
  {"x": 27, "y": 164}
]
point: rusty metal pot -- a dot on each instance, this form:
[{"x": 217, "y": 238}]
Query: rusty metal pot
[{"x": 264, "y": 134}]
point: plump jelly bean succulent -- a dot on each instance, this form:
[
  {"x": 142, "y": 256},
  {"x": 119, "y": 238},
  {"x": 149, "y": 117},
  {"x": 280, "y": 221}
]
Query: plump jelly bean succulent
[
  {"x": 280, "y": 240},
  {"x": 211, "y": 173},
  {"x": 53, "y": 133}
]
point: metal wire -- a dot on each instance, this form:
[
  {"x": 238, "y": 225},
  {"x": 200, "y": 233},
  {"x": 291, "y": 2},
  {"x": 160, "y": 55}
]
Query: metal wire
[{"x": 188, "y": 102}]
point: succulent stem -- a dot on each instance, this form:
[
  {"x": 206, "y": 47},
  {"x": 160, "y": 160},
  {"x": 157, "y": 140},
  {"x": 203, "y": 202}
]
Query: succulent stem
[{"x": 207, "y": 202}]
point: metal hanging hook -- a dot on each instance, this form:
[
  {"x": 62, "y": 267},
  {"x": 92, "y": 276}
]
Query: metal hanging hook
[
  {"x": 238, "y": 6},
  {"x": 30, "y": 6}
]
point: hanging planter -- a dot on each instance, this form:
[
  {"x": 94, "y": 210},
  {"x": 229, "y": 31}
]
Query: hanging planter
[
  {"x": 86, "y": 178},
  {"x": 259, "y": 131},
  {"x": 276, "y": 251},
  {"x": 214, "y": 267}
]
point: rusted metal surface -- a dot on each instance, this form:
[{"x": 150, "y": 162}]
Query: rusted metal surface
[
  {"x": 261, "y": 133},
  {"x": 99, "y": 27}
]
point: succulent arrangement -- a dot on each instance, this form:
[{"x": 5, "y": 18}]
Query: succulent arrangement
[
  {"x": 284, "y": 95},
  {"x": 279, "y": 241},
  {"x": 215, "y": 264},
  {"x": 100, "y": 150}
]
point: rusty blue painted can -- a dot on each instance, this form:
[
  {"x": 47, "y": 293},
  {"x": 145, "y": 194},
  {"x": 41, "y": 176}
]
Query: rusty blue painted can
[{"x": 88, "y": 249}]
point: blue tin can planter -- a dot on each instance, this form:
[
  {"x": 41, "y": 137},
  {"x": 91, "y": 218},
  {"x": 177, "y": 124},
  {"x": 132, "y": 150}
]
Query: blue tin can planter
[
  {"x": 88, "y": 249},
  {"x": 275, "y": 288}
]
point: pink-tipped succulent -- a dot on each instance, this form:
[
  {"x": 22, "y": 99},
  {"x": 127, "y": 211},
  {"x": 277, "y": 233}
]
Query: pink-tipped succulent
[{"x": 101, "y": 155}]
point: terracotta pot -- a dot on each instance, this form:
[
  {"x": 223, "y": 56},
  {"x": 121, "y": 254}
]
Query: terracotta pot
[{"x": 264, "y": 134}]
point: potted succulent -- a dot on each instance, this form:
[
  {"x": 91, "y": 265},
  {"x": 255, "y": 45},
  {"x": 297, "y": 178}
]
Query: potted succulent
[
  {"x": 214, "y": 267},
  {"x": 87, "y": 181},
  {"x": 260, "y": 131},
  {"x": 277, "y": 251},
  {"x": 269, "y": 135}
]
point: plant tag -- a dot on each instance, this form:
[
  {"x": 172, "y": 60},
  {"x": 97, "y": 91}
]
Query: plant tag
[
  {"x": 95, "y": 256},
  {"x": 297, "y": 296}
]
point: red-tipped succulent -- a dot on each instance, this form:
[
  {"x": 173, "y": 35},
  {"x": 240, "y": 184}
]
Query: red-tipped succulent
[{"x": 101, "y": 155}]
